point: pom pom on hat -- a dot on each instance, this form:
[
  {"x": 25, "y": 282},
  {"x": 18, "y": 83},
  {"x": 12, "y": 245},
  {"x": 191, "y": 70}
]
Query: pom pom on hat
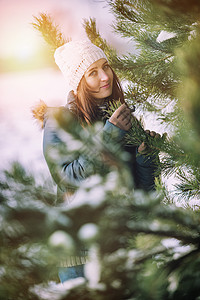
[{"x": 74, "y": 58}]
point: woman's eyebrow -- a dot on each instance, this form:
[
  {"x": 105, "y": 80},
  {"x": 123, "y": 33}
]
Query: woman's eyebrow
[{"x": 94, "y": 68}]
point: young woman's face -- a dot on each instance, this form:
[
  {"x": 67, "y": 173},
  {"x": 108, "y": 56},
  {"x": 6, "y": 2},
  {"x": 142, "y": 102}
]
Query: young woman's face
[{"x": 99, "y": 78}]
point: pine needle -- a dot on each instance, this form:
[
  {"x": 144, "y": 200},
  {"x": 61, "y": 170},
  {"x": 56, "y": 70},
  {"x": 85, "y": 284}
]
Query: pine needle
[
  {"x": 136, "y": 135},
  {"x": 39, "y": 111},
  {"x": 50, "y": 32}
]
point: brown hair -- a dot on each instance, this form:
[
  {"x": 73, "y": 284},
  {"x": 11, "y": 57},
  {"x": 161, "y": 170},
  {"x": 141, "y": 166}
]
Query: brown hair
[{"x": 85, "y": 106}]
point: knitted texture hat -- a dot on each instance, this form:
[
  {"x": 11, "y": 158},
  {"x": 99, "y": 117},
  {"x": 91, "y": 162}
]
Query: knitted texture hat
[{"x": 74, "y": 58}]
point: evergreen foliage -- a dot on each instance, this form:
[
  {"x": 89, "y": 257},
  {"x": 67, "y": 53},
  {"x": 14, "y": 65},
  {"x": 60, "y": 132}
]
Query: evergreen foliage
[
  {"x": 50, "y": 32},
  {"x": 95, "y": 37},
  {"x": 165, "y": 72},
  {"x": 142, "y": 245}
]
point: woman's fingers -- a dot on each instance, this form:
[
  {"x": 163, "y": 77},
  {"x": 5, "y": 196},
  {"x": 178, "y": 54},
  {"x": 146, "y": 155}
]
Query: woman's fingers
[
  {"x": 122, "y": 117},
  {"x": 153, "y": 134},
  {"x": 143, "y": 148},
  {"x": 124, "y": 114},
  {"x": 147, "y": 131},
  {"x": 120, "y": 111},
  {"x": 126, "y": 119},
  {"x": 157, "y": 135}
]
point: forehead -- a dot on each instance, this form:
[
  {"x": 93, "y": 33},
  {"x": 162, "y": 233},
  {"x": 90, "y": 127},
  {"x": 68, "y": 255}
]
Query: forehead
[{"x": 97, "y": 64}]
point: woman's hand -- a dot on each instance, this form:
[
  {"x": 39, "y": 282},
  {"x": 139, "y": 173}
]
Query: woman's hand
[
  {"x": 122, "y": 117},
  {"x": 143, "y": 149}
]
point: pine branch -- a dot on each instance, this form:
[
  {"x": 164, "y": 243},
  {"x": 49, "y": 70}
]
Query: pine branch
[
  {"x": 137, "y": 135},
  {"x": 144, "y": 14},
  {"x": 163, "y": 231},
  {"x": 190, "y": 184},
  {"x": 178, "y": 7},
  {"x": 50, "y": 32},
  {"x": 95, "y": 37},
  {"x": 177, "y": 263}
]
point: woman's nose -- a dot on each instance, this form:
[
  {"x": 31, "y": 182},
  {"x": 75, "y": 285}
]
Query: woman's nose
[{"x": 103, "y": 76}]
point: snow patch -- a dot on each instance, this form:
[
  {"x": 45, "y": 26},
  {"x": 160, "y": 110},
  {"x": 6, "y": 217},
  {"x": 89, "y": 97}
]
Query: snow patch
[{"x": 164, "y": 35}]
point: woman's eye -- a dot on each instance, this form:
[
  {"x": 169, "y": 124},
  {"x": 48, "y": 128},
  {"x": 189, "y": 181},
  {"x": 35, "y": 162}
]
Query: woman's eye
[
  {"x": 106, "y": 67},
  {"x": 92, "y": 73}
]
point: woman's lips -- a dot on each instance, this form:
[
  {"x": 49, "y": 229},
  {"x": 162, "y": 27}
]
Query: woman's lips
[{"x": 105, "y": 86}]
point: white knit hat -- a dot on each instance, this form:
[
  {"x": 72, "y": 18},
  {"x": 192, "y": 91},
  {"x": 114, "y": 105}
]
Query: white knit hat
[{"x": 74, "y": 58}]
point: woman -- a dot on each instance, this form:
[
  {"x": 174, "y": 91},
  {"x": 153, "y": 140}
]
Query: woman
[{"x": 94, "y": 85}]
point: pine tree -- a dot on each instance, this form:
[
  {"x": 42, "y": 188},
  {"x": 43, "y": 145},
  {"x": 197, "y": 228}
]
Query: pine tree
[
  {"x": 161, "y": 74},
  {"x": 147, "y": 247}
]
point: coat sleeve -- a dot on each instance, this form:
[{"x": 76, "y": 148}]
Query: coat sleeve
[
  {"x": 147, "y": 168},
  {"x": 66, "y": 169}
]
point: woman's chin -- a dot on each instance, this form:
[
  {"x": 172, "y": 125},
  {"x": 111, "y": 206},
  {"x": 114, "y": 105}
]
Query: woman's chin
[{"x": 103, "y": 94}]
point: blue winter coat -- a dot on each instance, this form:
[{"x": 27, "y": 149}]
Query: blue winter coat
[{"x": 68, "y": 171}]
